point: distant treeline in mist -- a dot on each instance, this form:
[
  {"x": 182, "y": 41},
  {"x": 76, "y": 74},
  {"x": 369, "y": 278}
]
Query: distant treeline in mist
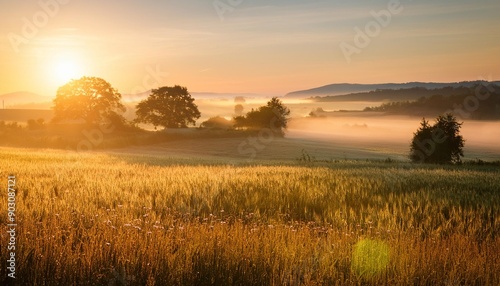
[
  {"x": 413, "y": 93},
  {"x": 355, "y": 92},
  {"x": 479, "y": 103}
]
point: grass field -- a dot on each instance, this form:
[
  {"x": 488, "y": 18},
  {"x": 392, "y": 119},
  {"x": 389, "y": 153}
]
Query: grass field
[{"x": 116, "y": 219}]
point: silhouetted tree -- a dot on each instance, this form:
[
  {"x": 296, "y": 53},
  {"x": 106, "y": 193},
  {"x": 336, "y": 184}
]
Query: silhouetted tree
[
  {"x": 89, "y": 98},
  {"x": 238, "y": 109},
  {"x": 440, "y": 143},
  {"x": 170, "y": 107},
  {"x": 318, "y": 112},
  {"x": 274, "y": 115},
  {"x": 281, "y": 112},
  {"x": 239, "y": 99}
]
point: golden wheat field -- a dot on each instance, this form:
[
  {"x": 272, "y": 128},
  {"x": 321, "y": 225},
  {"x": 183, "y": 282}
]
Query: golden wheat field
[{"x": 101, "y": 219}]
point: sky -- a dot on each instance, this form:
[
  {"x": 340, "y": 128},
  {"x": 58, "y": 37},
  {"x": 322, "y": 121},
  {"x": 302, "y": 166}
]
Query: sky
[{"x": 242, "y": 46}]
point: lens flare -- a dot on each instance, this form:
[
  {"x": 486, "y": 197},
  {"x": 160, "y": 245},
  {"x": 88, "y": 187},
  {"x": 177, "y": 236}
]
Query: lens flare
[{"x": 370, "y": 258}]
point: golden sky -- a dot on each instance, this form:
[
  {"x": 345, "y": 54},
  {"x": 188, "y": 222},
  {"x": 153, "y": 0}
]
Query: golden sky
[{"x": 267, "y": 47}]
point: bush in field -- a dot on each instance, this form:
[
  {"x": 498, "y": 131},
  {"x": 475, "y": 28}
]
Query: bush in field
[
  {"x": 318, "y": 112},
  {"x": 9, "y": 126},
  {"x": 440, "y": 143},
  {"x": 36, "y": 124},
  {"x": 217, "y": 122},
  {"x": 170, "y": 107},
  {"x": 89, "y": 98},
  {"x": 274, "y": 115}
]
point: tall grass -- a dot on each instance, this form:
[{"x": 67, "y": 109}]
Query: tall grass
[{"x": 89, "y": 219}]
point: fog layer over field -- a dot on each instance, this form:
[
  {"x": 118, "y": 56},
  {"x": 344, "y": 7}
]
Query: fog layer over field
[
  {"x": 391, "y": 134},
  {"x": 339, "y": 133}
]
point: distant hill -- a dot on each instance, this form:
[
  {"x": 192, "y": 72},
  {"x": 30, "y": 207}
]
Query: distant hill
[
  {"x": 394, "y": 95},
  {"x": 22, "y": 98},
  {"x": 486, "y": 107},
  {"x": 347, "y": 88}
]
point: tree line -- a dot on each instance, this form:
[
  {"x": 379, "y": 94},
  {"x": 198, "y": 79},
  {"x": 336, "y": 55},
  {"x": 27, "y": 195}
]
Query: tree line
[
  {"x": 479, "y": 102},
  {"x": 96, "y": 102}
]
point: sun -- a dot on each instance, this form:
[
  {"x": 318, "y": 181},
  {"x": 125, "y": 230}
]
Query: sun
[
  {"x": 61, "y": 68},
  {"x": 66, "y": 69}
]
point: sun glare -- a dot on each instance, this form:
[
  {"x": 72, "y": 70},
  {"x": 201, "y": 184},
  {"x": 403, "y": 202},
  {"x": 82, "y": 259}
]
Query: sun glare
[
  {"x": 66, "y": 70},
  {"x": 63, "y": 68}
]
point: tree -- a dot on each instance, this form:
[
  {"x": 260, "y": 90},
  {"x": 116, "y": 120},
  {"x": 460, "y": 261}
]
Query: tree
[
  {"x": 170, "y": 107},
  {"x": 239, "y": 99},
  {"x": 318, "y": 112},
  {"x": 238, "y": 109},
  {"x": 440, "y": 143},
  {"x": 280, "y": 111},
  {"x": 274, "y": 115},
  {"x": 89, "y": 98}
]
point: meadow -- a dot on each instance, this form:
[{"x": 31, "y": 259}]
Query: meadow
[{"x": 116, "y": 219}]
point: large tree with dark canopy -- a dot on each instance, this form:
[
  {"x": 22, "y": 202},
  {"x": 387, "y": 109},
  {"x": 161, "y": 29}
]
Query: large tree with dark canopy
[
  {"x": 89, "y": 98},
  {"x": 170, "y": 107},
  {"x": 440, "y": 143}
]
